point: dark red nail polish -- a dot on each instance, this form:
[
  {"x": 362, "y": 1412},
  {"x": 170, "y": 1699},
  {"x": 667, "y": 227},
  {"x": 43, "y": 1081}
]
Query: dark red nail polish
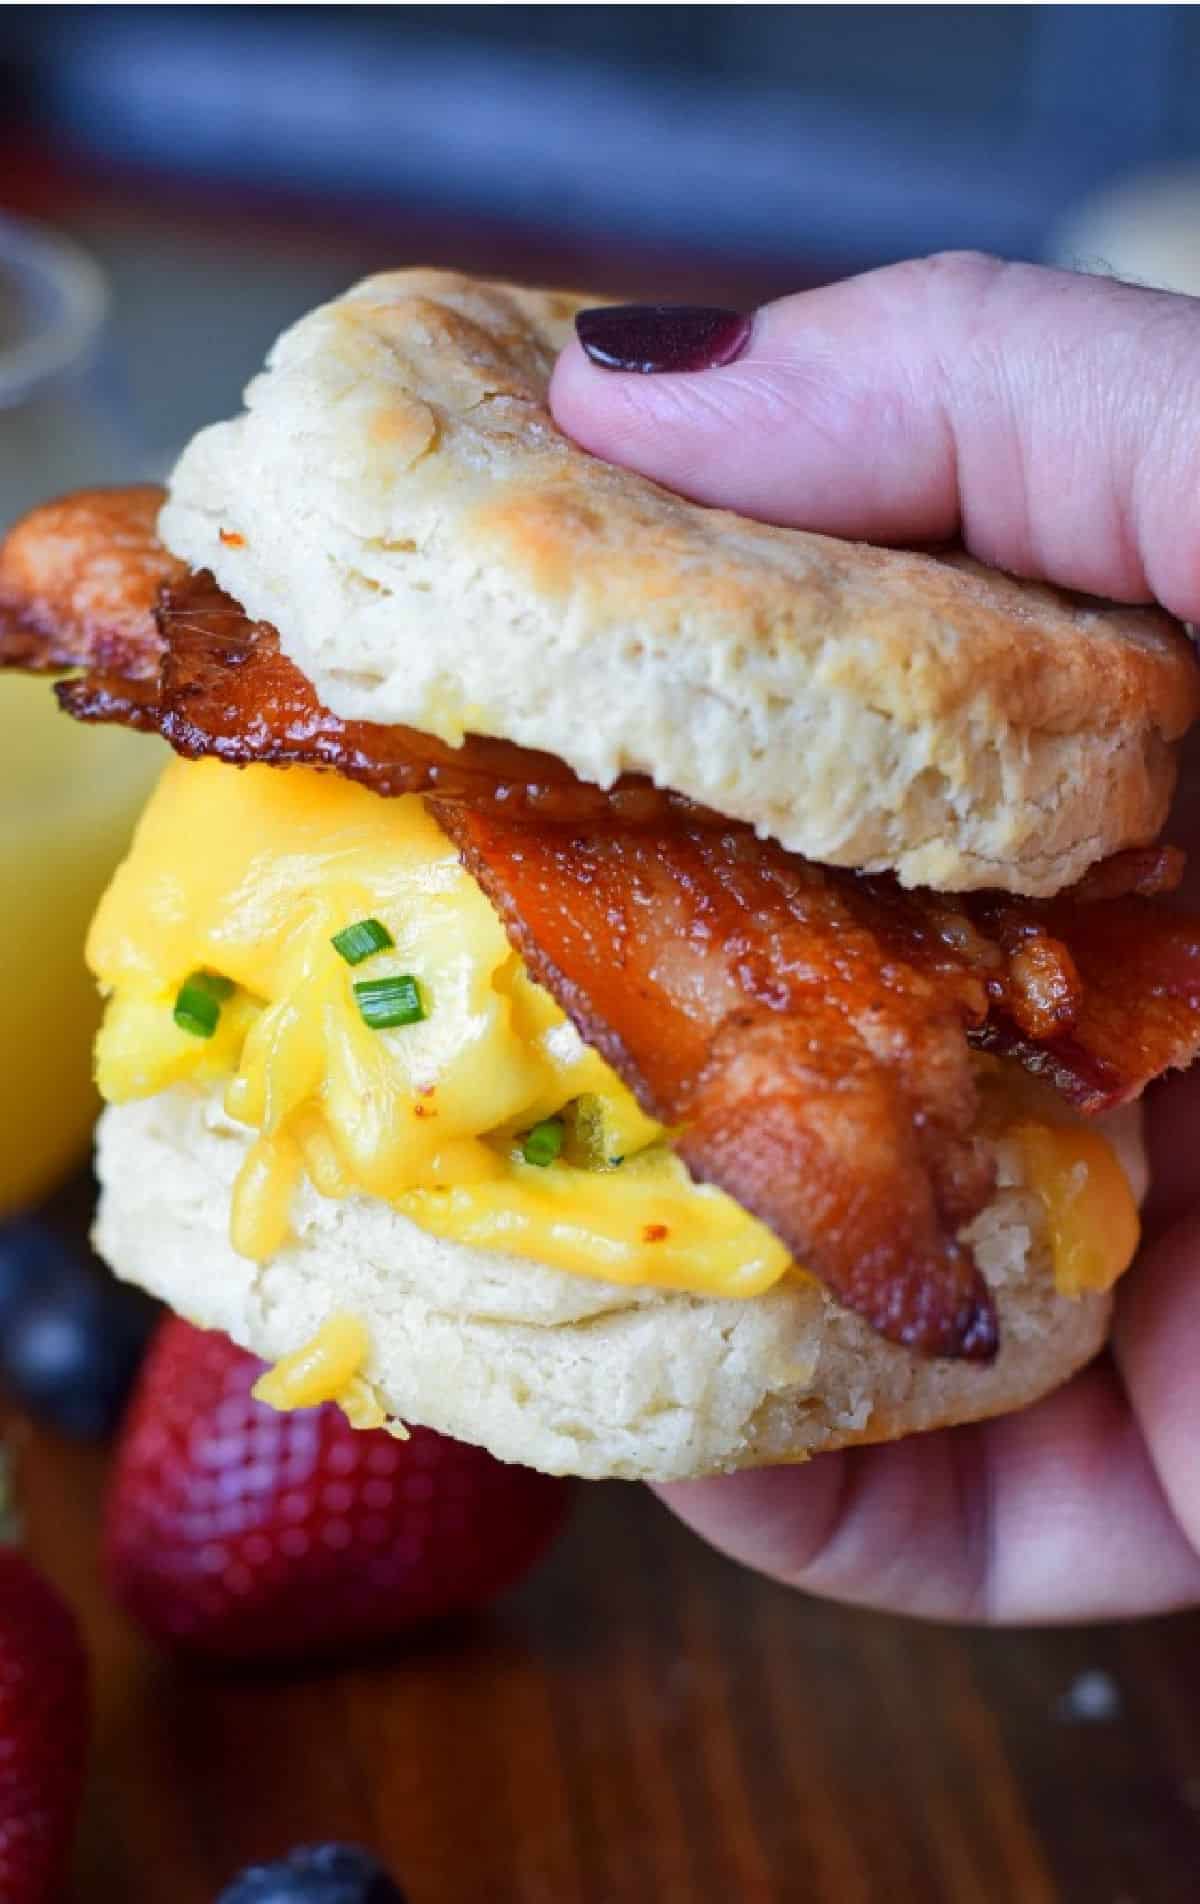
[{"x": 649, "y": 337}]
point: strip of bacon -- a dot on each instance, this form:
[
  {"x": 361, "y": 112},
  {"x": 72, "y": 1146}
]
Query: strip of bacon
[
  {"x": 1138, "y": 975},
  {"x": 85, "y": 583},
  {"x": 820, "y": 1074},
  {"x": 224, "y": 689}
]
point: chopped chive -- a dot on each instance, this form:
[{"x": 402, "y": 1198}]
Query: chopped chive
[
  {"x": 198, "y": 1002},
  {"x": 544, "y": 1142},
  {"x": 385, "y": 1002},
  {"x": 357, "y": 942},
  {"x": 196, "y": 1011}
]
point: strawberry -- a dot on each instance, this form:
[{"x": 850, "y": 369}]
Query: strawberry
[
  {"x": 246, "y": 1534},
  {"x": 43, "y": 1732}
]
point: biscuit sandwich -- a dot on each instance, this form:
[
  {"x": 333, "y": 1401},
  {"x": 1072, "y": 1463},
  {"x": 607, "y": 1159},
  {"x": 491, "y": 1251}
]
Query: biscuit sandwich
[{"x": 643, "y": 990}]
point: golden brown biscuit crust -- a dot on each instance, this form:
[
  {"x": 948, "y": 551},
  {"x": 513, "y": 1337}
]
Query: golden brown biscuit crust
[{"x": 399, "y": 503}]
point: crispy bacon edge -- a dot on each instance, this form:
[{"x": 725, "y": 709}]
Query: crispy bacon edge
[
  {"x": 224, "y": 689},
  {"x": 80, "y": 581},
  {"x": 86, "y": 584}
]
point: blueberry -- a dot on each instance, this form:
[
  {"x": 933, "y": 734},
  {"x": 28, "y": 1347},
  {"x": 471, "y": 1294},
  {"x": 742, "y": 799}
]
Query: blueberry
[
  {"x": 71, "y": 1345},
  {"x": 315, "y": 1874},
  {"x": 29, "y": 1256}
]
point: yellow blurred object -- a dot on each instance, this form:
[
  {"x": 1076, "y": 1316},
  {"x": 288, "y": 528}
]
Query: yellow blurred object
[{"x": 69, "y": 796}]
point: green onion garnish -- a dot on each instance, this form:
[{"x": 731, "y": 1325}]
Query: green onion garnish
[
  {"x": 385, "y": 1002},
  {"x": 357, "y": 942},
  {"x": 544, "y": 1142},
  {"x": 198, "y": 1002}
]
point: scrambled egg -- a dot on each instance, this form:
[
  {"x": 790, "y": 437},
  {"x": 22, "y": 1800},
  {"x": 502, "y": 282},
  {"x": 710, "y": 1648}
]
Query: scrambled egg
[{"x": 248, "y": 875}]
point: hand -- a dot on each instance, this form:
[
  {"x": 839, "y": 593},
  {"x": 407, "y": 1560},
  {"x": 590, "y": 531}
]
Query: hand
[{"x": 1054, "y": 423}]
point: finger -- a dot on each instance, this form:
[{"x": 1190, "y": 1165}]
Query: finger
[
  {"x": 1051, "y": 1514},
  {"x": 1047, "y": 417},
  {"x": 1156, "y": 1342}
]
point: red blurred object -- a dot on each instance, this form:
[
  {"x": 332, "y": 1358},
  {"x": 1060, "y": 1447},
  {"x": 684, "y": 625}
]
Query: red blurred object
[
  {"x": 246, "y": 1534},
  {"x": 43, "y": 1732}
]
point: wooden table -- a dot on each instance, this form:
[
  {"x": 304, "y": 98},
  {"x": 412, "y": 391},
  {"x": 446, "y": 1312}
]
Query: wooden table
[{"x": 642, "y": 1723}]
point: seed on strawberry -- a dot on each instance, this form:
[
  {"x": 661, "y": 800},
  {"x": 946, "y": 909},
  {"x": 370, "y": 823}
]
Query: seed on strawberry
[
  {"x": 315, "y": 1874},
  {"x": 246, "y": 1534},
  {"x": 43, "y": 1732}
]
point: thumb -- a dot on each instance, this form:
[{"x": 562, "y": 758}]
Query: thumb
[{"x": 1048, "y": 419}]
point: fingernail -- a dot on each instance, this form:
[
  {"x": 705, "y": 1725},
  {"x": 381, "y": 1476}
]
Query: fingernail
[{"x": 650, "y": 337}]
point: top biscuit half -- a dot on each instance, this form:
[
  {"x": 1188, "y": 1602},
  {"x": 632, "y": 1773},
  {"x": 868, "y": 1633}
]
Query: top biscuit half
[{"x": 398, "y": 501}]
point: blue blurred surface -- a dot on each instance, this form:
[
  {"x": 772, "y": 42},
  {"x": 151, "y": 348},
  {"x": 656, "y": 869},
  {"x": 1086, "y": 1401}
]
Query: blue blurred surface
[
  {"x": 861, "y": 132},
  {"x": 231, "y": 166}
]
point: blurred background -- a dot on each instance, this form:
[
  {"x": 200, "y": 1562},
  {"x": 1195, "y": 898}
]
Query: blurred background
[
  {"x": 229, "y": 166},
  {"x": 178, "y": 183}
]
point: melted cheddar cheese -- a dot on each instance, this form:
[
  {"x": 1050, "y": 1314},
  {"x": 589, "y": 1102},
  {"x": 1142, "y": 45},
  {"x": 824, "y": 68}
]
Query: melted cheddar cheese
[
  {"x": 1091, "y": 1213},
  {"x": 249, "y": 874},
  {"x": 321, "y": 1370},
  {"x": 329, "y": 1368}
]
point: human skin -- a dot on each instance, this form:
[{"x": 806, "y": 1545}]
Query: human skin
[{"x": 1050, "y": 421}]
